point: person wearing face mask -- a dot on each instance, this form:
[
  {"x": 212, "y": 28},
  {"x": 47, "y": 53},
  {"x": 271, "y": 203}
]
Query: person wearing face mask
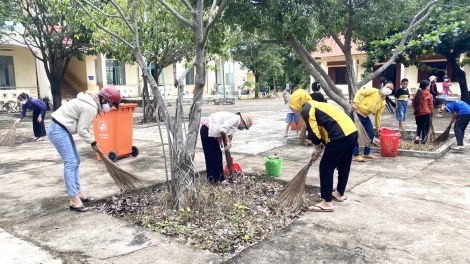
[
  {"x": 366, "y": 102},
  {"x": 330, "y": 126},
  {"x": 39, "y": 112},
  {"x": 76, "y": 117},
  {"x": 212, "y": 129}
]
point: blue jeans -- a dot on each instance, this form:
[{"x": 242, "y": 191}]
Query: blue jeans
[
  {"x": 65, "y": 145},
  {"x": 367, "y": 124}
]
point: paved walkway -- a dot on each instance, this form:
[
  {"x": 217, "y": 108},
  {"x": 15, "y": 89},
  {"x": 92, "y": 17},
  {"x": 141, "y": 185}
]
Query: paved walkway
[{"x": 400, "y": 210}]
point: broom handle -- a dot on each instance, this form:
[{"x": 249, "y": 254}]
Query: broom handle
[{"x": 228, "y": 157}]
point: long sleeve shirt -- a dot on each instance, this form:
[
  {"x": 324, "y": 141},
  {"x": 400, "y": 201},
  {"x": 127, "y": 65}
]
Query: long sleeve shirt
[
  {"x": 33, "y": 104},
  {"x": 370, "y": 101}
]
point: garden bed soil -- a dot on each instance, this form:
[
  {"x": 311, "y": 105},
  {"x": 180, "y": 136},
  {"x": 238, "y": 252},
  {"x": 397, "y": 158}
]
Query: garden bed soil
[{"x": 223, "y": 219}]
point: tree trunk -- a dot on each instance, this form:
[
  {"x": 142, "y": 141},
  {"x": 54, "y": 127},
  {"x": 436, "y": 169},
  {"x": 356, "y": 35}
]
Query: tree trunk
[
  {"x": 256, "y": 85},
  {"x": 461, "y": 78},
  {"x": 147, "y": 104},
  {"x": 56, "y": 94},
  {"x": 274, "y": 82}
]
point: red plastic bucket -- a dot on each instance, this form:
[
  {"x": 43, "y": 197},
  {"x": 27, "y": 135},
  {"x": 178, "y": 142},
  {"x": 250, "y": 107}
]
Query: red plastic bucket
[{"x": 389, "y": 141}]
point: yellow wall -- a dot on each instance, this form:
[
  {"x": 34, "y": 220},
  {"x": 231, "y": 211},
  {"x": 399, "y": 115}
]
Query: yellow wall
[
  {"x": 24, "y": 65},
  {"x": 91, "y": 71},
  {"x": 76, "y": 75}
]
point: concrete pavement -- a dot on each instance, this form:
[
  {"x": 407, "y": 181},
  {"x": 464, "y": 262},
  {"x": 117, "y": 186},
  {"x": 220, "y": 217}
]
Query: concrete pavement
[{"x": 400, "y": 210}]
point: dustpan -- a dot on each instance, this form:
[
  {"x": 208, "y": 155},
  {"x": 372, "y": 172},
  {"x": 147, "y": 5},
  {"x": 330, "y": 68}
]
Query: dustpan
[{"x": 236, "y": 167}]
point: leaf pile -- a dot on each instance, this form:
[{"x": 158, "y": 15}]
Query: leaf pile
[
  {"x": 223, "y": 219},
  {"x": 410, "y": 145}
]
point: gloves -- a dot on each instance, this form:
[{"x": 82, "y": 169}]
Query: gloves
[
  {"x": 317, "y": 150},
  {"x": 17, "y": 121}
]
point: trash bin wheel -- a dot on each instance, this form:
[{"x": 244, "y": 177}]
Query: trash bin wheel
[
  {"x": 135, "y": 151},
  {"x": 113, "y": 156}
]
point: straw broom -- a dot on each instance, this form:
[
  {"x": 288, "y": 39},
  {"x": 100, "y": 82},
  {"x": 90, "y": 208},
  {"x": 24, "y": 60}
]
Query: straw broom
[
  {"x": 303, "y": 135},
  {"x": 445, "y": 135},
  {"x": 289, "y": 198},
  {"x": 363, "y": 137},
  {"x": 123, "y": 179},
  {"x": 9, "y": 138}
]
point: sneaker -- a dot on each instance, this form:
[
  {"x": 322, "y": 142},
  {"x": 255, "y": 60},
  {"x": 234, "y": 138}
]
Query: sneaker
[
  {"x": 359, "y": 159},
  {"x": 369, "y": 156},
  {"x": 438, "y": 115}
]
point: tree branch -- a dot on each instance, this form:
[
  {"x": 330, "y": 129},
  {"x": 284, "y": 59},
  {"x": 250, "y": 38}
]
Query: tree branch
[
  {"x": 101, "y": 11},
  {"x": 123, "y": 17},
  {"x": 212, "y": 21},
  {"x": 98, "y": 24},
  {"x": 428, "y": 10},
  {"x": 188, "y": 6},
  {"x": 176, "y": 14},
  {"x": 358, "y": 5}
]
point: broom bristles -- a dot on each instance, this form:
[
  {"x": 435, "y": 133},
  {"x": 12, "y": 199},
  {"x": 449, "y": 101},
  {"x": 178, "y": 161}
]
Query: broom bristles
[
  {"x": 303, "y": 132},
  {"x": 444, "y": 136},
  {"x": 123, "y": 179},
  {"x": 9, "y": 138},
  {"x": 290, "y": 196},
  {"x": 363, "y": 137}
]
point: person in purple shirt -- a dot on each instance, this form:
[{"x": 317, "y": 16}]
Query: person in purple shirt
[{"x": 39, "y": 112}]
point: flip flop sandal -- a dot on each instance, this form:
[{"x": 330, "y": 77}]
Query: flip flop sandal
[
  {"x": 39, "y": 139},
  {"x": 87, "y": 200},
  {"x": 80, "y": 209},
  {"x": 317, "y": 208},
  {"x": 224, "y": 183},
  {"x": 34, "y": 139}
]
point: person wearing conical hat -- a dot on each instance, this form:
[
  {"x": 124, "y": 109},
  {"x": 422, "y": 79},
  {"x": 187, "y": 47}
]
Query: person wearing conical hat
[
  {"x": 330, "y": 126},
  {"x": 211, "y": 131}
]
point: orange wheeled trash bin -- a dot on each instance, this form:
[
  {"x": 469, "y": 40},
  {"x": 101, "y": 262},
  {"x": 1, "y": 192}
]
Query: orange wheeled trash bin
[{"x": 113, "y": 132}]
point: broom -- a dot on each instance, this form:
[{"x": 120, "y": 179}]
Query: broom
[
  {"x": 363, "y": 139},
  {"x": 289, "y": 198},
  {"x": 303, "y": 135},
  {"x": 9, "y": 138},
  {"x": 228, "y": 157},
  {"x": 445, "y": 135},
  {"x": 123, "y": 179}
]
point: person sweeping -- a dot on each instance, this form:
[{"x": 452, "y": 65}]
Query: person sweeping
[
  {"x": 212, "y": 129},
  {"x": 39, "y": 112},
  {"x": 330, "y": 126},
  {"x": 461, "y": 117},
  {"x": 369, "y": 101},
  {"x": 76, "y": 117}
]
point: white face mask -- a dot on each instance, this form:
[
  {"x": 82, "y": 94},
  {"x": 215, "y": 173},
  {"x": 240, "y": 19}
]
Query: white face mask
[
  {"x": 386, "y": 91},
  {"x": 22, "y": 102},
  {"x": 106, "y": 107}
]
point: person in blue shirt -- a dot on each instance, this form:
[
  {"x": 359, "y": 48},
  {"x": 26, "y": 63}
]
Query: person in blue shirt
[
  {"x": 461, "y": 117},
  {"x": 39, "y": 112}
]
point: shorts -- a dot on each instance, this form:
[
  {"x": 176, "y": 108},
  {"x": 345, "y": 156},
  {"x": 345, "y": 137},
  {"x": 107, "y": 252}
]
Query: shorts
[{"x": 291, "y": 116}]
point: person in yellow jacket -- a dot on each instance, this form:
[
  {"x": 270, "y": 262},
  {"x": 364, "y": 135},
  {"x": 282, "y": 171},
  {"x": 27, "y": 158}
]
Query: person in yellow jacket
[
  {"x": 331, "y": 127},
  {"x": 369, "y": 101}
]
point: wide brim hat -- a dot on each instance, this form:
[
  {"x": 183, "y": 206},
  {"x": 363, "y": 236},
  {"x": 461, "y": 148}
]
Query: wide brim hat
[
  {"x": 248, "y": 119},
  {"x": 432, "y": 78}
]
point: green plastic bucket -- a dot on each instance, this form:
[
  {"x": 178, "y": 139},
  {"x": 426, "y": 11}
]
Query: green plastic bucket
[{"x": 273, "y": 165}]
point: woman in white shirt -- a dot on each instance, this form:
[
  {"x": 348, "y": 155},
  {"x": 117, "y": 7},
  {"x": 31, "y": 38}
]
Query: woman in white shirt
[{"x": 211, "y": 132}]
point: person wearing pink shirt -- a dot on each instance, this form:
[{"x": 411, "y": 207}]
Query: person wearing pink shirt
[{"x": 446, "y": 87}]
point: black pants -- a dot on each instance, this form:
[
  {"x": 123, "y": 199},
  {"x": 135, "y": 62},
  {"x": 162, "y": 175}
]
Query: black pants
[
  {"x": 422, "y": 126},
  {"x": 212, "y": 155},
  {"x": 38, "y": 128},
  {"x": 337, "y": 155},
  {"x": 459, "y": 128}
]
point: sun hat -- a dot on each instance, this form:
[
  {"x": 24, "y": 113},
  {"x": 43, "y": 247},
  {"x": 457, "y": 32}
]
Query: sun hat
[
  {"x": 432, "y": 78},
  {"x": 248, "y": 119}
]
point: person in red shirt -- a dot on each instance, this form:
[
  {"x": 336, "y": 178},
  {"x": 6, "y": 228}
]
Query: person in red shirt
[{"x": 423, "y": 105}]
